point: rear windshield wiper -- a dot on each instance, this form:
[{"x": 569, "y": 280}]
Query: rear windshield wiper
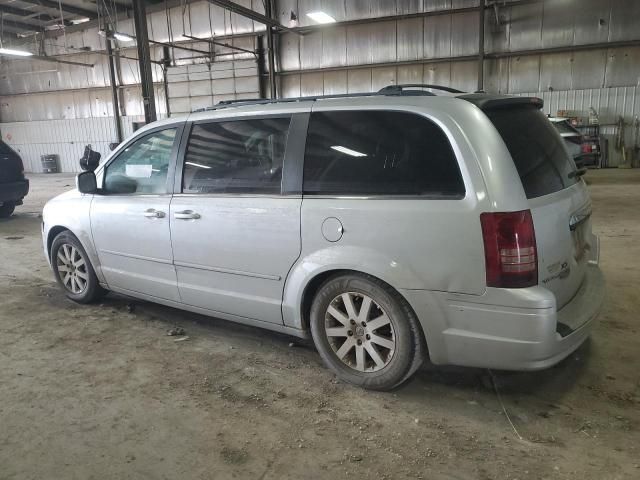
[{"x": 577, "y": 173}]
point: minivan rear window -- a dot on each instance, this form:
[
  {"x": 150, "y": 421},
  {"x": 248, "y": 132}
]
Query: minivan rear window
[
  {"x": 537, "y": 149},
  {"x": 364, "y": 152}
]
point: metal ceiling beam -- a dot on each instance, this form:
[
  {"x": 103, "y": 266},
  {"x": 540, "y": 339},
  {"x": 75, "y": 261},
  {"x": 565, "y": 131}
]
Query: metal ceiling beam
[
  {"x": 565, "y": 49},
  {"x": 407, "y": 16},
  {"x": 213, "y": 42},
  {"x": 65, "y": 8},
  {"x": 50, "y": 59},
  {"x": 26, "y": 14},
  {"x": 252, "y": 14},
  {"x": 20, "y": 27}
]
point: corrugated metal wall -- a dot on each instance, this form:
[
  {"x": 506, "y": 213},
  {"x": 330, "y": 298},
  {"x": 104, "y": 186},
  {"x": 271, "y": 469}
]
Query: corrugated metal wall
[
  {"x": 357, "y": 57},
  {"x": 203, "y": 85},
  {"x": 442, "y": 49},
  {"x": 66, "y": 138},
  {"x": 41, "y": 103}
]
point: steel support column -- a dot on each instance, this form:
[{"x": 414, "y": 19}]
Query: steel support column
[
  {"x": 270, "y": 52},
  {"x": 261, "y": 62},
  {"x": 144, "y": 60},
  {"x": 114, "y": 92},
  {"x": 481, "y": 46}
]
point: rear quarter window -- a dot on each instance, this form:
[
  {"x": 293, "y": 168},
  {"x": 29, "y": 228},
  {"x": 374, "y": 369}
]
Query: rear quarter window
[
  {"x": 537, "y": 149},
  {"x": 379, "y": 153}
]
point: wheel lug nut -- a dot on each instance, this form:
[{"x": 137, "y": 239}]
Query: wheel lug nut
[
  {"x": 350, "y": 333},
  {"x": 368, "y": 337},
  {"x": 364, "y": 324},
  {"x": 359, "y": 342},
  {"x": 353, "y": 322}
]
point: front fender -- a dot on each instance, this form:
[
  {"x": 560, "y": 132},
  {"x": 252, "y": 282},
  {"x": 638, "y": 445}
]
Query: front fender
[
  {"x": 71, "y": 211},
  {"x": 340, "y": 257}
]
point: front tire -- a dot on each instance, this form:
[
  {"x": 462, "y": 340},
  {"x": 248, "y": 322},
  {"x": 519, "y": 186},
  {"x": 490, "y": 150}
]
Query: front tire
[
  {"x": 73, "y": 270},
  {"x": 366, "y": 332},
  {"x": 6, "y": 209}
]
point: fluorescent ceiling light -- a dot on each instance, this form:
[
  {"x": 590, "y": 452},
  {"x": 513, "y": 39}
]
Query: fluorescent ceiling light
[
  {"x": 17, "y": 53},
  {"x": 76, "y": 21},
  {"x": 123, "y": 37},
  {"x": 348, "y": 151},
  {"x": 197, "y": 165},
  {"x": 321, "y": 17}
]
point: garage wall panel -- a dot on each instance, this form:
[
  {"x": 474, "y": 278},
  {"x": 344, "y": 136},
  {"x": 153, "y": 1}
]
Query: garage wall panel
[
  {"x": 200, "y": 86},
  {"x": 65, "y": 138}
]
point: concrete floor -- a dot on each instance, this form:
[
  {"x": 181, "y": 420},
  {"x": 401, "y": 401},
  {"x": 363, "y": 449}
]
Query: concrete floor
[{"x": 102, "y": 392}]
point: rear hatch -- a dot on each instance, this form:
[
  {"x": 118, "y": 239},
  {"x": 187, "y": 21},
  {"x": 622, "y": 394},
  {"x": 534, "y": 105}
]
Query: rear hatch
[{"x": 559, "y": 200}]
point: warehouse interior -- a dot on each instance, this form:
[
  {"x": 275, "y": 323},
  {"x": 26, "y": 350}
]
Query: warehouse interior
[
  {"x": 577, "y": 56},
  {"x": 102, "y": 391}
]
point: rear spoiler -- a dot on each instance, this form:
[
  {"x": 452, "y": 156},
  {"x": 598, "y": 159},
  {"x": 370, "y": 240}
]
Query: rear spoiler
[{"x": 494, "y": 102}]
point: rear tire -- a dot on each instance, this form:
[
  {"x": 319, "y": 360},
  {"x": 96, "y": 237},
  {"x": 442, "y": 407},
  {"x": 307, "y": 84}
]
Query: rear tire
[
  {"x": 6, "y": 209},
  {"x": 366, "y": 332},
  {"x": 73, "y": 270}
]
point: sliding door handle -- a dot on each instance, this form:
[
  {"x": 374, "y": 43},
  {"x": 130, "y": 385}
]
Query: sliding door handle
[{"x": 186, "y": 215}]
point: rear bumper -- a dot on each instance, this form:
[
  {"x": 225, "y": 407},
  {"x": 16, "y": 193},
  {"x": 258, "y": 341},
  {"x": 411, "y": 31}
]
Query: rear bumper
[
  {"x": 14, "y": 191},
  {"x": 516, "y": 329}
]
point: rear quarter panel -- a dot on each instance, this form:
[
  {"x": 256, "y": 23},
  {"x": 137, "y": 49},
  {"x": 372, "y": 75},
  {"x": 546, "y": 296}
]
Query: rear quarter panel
[{"x": 412, "y": 244}]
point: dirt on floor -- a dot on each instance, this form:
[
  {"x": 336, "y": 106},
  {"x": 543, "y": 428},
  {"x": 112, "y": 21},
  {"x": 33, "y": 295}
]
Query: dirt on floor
[{"x": 103, "y": 392}]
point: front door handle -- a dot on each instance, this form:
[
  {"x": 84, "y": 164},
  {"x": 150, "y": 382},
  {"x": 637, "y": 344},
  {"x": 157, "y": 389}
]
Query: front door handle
[
  {"x": 153, "y": 213},
  {"x": 186, "y": 215}
]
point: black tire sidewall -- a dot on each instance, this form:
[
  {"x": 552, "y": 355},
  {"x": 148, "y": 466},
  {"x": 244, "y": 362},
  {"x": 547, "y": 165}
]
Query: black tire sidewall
[
  {"x": 403, "y": 357},
  {"x": 93, "y": 290},
  {"x": 7, "y": 209}
]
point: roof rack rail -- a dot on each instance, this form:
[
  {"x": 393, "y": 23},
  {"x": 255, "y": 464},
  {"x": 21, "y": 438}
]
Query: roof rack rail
[
  {"x": 267, "y": 101},
  {"x": 400, "y": 89},
  {"x": 391, "y": 90}
]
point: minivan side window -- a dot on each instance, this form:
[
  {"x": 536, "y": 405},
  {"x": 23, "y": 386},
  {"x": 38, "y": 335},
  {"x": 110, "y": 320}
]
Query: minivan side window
[
  {"x": 142, "y": 167},
  {"x": 236, "y": 156},
  {"x": 379, "y": 153}
]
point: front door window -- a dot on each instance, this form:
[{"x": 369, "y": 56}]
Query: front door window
[{"x": 142, "y": 167}]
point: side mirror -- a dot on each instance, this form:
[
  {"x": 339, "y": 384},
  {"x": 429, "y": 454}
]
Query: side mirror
[
  {"x": 113, "y": 146},
  {"x": 86, "y": 182}
]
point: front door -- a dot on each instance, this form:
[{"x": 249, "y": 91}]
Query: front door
[
  {"x": 130, "y": 216},
  {"x": 235, "y": 235}
]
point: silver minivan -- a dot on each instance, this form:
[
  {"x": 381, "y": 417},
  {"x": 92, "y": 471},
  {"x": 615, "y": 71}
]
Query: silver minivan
[{"x": 391, "y": 228}]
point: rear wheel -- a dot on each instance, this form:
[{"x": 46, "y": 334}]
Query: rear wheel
[
  {"x": 6, "y": 209},
  {"x": 365, "y": 332},
  {"x": 73, "y": 270}
]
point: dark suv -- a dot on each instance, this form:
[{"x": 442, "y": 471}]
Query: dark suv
[{"x": 13, "y": 186}]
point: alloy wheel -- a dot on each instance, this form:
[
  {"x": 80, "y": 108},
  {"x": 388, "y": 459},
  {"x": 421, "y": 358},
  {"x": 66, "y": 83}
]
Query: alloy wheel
[
  {"x": 72, "y": 268},
  {"x": 360, "y": 332}
]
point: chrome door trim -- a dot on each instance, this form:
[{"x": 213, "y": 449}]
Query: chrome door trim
[
  {"x": 228, "y": 270},
  {"x": 137, "y": 257},
  {"x": 236, "y": 195}
]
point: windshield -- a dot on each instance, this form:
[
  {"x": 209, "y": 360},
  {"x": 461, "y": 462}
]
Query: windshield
[{"x": 540, "y": 156}]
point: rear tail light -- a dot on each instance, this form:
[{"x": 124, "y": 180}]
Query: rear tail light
[{"x": 510, "y": 249}]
